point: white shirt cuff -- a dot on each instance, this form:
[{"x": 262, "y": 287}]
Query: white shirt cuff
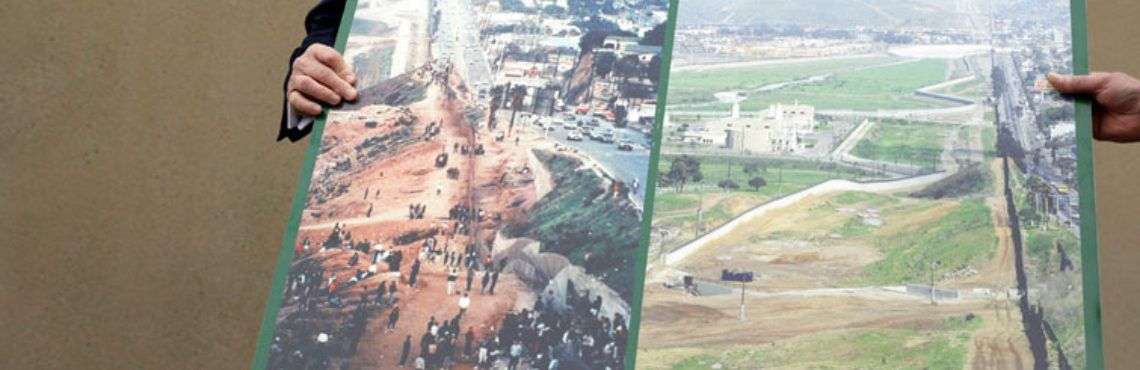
[{"x": 295, "y": 121}]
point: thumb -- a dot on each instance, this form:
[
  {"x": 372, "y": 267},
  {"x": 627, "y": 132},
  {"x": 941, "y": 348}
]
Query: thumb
[{"x": 1069, "y": 84}]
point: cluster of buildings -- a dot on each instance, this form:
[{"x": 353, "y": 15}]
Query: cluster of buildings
[
  {"x": 538, "y": 44},
  {"x": 781, "y": 129}
]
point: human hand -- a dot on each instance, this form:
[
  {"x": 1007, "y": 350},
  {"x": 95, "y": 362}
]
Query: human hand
[
  {"x": 1116, "y": 102},
  {"x": 320, "y": 75}
]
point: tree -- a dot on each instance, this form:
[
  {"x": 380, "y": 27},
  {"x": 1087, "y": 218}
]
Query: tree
[
  {"x": 628, "y": 66},
  {"x": 620, "y": 115},
  {"x": 728, "y": 185},
  {"x": 683, "y": 170},
  {"x": 757, "y": 182},
  {"x": 593, "y": 38},
  {"x": 496, "y": 98},
  {"x": 654, "y": 69},
  {"x": 517, "y": 96},
  {"x": 655, "y": 36},
  {"x": 604, "y": 63}
]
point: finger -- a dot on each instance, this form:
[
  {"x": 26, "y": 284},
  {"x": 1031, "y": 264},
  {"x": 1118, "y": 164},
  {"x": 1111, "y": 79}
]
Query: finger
[
  {"x": 1098, "y": 123},
  {"x": 327, "y": 77},
  {"x": 331, "y": 58},
  {"x": 1088, "y": 84},
  {"x": 310, "y": 87},
  {"x": 303, "y": 105}
]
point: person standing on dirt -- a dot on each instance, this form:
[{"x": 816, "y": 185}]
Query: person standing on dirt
[
  {"x": 470, "y": 278},
  {"x": 452, "y": 277},
  {"x": 468, "y": 342},
  {"x": 494, "y": 281},
  {"x": 406, "y": 350},
  {"x": 486, "y": 280},
  {"x": 414, "y": 273},
  {"x": 392, "y": 292},
  {"x": 464, "y": 303},
  {"x": 393, "y": 318}
]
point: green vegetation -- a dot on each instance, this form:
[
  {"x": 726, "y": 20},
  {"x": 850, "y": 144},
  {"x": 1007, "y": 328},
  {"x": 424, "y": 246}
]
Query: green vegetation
[
  {"x": 1048, "y": 247},
  {"x": 698, "y": 86},
  {"x": 903, "y": 142},
  {"x": 885, "y": 87},
  {"x": 989, "y": 139},
  {"x": 943, "y": 345},
  {"x": 957, "y": 240},
  {"x": 583, "y": 221},
  {"x": 778, "y": 173},
  {"x": 857, "y": 83}
]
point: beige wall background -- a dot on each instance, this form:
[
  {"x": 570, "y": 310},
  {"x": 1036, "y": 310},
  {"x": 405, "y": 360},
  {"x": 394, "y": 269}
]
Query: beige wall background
[{"x": 143, "y": 197}]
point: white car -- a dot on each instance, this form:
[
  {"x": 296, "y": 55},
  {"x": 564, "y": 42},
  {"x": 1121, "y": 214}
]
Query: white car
[{"x": 574, "y": 136}]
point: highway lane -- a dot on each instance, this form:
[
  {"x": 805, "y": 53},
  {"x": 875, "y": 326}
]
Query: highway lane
[
  {"x": 456, "y": 40},
  {"x": 628, "y": 166}
]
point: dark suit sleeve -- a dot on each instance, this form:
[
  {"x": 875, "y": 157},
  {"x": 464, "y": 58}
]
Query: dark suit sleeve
[{"x": 321, "y": 26}]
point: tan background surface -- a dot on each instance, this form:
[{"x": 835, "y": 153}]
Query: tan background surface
[{"x": 143, "y": 199}]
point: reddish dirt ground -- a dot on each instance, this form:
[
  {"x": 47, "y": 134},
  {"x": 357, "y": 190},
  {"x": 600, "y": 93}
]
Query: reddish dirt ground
[{"x": 389, "y": 185}]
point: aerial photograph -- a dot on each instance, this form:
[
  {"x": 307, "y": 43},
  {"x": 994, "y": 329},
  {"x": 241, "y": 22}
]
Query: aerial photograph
[
  {"x": 866, "y": 184},
  {"x": 480, "y": 206}
]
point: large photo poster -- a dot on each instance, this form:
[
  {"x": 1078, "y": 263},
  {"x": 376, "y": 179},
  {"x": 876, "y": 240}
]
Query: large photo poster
[
  {"x": 481, "y": 204},
  {"x": 880, "y": 184}
]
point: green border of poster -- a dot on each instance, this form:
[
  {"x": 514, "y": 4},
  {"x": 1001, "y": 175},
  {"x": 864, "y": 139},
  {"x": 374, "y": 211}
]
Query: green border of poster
[
  {"x": 1094, "y": 340},
  {"x": 1089, "y": 243}
]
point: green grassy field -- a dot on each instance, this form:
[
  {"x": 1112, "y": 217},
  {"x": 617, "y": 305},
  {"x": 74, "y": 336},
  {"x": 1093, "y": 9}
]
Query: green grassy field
[
  {"x": 694, "y": 86},
  {"x": 913, "y": 143},
  {"x": 960, "y": 239},
  {"x": 942, "y": 346},
  {"x": 886, "y": 87}
]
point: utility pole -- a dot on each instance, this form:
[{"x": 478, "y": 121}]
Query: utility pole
[{"x": 742, "y": 287}]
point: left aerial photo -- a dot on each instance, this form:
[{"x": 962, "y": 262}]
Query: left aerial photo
[{"x": 480, "y": 206}]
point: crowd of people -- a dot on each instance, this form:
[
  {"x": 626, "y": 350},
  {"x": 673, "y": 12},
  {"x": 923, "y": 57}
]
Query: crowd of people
[
  {"x": 318, "y": 333},
  {"x": 551, "y": 336}
]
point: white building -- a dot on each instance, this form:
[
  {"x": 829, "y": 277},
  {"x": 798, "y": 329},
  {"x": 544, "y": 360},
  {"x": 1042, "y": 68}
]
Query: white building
[{"x": 779, "y": 129}]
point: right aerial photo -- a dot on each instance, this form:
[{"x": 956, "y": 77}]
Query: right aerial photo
[{"x": 873, "y": 184}]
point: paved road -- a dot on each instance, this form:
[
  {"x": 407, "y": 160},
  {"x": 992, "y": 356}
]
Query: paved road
[
  {"x": 624, "y": 165},
  {"x": 456, "y": 40}
]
